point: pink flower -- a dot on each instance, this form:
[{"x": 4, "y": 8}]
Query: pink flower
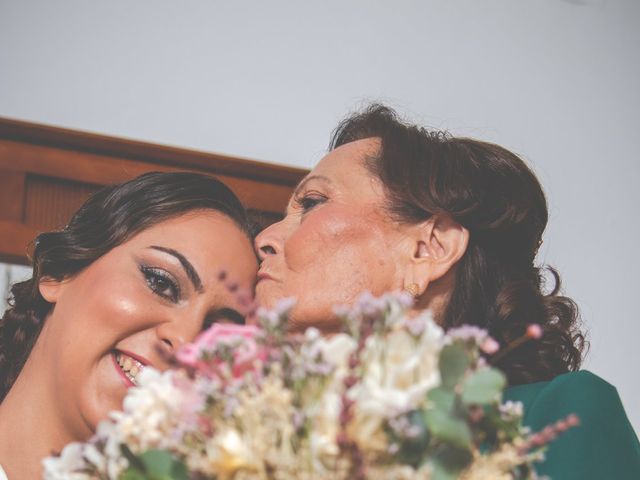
[
  {"x": 534, "y": 331},
  {"x": 490, "y": 346},
  {"x": 207, "y": 351}
]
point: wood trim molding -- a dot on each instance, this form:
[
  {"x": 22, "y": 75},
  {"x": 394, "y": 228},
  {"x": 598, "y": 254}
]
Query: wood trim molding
[
  {"x": 47, "y": 172},
  {"x": 66, "y": 139}
]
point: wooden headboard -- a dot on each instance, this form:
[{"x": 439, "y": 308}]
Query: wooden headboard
[{"x": 46, "y": 173}]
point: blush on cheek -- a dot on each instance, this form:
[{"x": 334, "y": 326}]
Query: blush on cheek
[
  {"x": 322, "y": 233},
  {"x": 131, "y": 313},
  {"x": 332, "y": 258}
]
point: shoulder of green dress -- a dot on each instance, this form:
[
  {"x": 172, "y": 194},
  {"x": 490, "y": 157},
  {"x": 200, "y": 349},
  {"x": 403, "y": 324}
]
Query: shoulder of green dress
[
  {"x": 582, "y": 393},
  {"x": 603, "y": 445},
  {"x": 583, "y": 380}
]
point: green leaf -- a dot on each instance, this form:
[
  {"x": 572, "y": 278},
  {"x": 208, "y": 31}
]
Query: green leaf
[
  {"x": 448, "y": 428},
  {"x": 157, "y": 462},
  {"x": 449, "y": 462},
  {"x": 179, "y": 471},
  {"x": 443, "y": 472},
  {"x": 413, "y": 449},
  {"x": 442, "y": 398},
  {"x": 134, "y": 461},
  {"x": 132, "y": 474},
  {"x": 454, "y": 362},
  {"x": 153, "y": 465},
  {"x": 483, "y": 387}
]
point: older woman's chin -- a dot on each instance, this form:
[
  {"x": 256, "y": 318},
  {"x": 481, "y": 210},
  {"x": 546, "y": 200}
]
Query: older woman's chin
[{"x": 267, "y": 294}]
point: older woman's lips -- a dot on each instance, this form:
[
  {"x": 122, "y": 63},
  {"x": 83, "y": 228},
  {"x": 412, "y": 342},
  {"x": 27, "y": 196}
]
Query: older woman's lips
[{"x": 264, "y": 276}]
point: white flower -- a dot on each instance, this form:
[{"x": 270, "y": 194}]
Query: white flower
[
  {"x": 151, "y": 410},
  {"x": 400, "y": 369},
  {"x": 65, "y": 466},
  {"x": 110, "y": 439},
  {"x": 227, "y": 453},
  {"x": 337, "y": 349},
  {"x": 324, "y": 417}
]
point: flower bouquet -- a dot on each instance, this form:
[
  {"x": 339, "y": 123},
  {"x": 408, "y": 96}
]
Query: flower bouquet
[{"x": 392, "y": 397}]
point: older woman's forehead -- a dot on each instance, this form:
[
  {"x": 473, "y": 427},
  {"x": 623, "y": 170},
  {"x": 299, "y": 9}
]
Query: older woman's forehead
[{"x": 346, "y": 161}]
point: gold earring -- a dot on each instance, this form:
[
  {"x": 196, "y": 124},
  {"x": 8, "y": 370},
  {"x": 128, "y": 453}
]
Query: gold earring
[{"x": 412, "y": 289}]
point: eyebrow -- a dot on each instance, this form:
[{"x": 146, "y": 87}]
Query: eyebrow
[
  {"x": 308, "y": 179},
  {"x": 186, "y": 265}
]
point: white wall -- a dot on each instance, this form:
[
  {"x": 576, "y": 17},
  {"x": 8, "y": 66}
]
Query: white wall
[
  {"x": 557, "y": 81},
  {"x": 10, "y": 274}
]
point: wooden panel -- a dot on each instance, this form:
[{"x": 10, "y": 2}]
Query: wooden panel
[
  {"x": 46, "y": 173},
  {"x": 51, "y": 202},
  {"x": 12, "y": 195},
  {"x": 102, "y": 170},
  {"x": 45, "y": 135}
]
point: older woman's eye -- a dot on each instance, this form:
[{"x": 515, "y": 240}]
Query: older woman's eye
[
  {"x": 308, "y": 202},
  {"x": 161, "y": 283}
]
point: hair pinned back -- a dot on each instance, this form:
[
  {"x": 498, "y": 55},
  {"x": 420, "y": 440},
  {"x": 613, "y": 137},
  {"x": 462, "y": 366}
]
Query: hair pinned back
[
  {"x": 107, "y": 219},
  {"x": 493, "y": 194}
]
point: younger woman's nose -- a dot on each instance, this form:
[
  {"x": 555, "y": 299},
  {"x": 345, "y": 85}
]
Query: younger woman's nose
[{"x": 178, "y": 331}]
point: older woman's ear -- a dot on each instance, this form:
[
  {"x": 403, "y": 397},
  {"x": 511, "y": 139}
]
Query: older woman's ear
[{"x": 437, "y": 245}]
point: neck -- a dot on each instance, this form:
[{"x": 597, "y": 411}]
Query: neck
[
  {"x": 30, "y": 429},
  {"x": 436, "y": 298}
]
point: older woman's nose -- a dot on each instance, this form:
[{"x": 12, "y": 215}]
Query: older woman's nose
[{"x": 269, "y": 241}]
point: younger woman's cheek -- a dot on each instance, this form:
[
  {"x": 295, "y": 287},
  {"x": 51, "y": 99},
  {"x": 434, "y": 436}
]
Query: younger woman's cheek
[{"x": 120, "y": 308}]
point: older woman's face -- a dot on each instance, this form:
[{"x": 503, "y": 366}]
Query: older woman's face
[
  {"x": 160, "y": 287},
  {"x": 335, "y": 242}
]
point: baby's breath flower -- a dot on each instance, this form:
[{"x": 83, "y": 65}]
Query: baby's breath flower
[{"x": 257, "y": 403}]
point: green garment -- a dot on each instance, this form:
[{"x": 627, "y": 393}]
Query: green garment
[{"x": 603, "y": 446}]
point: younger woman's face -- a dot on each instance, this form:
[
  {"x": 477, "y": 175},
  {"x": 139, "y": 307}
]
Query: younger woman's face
[{"x": 161, "y": 287}]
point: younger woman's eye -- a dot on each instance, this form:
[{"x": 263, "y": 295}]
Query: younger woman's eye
[
  {"x": 161, "y": 283},
  {"x": 309, "y": 201}
]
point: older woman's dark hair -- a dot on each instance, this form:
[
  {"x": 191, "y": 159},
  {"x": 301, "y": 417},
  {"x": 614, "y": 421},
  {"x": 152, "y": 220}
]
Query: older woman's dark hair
[
  {"x": 108, "y": 218},
  {"x": 492, "y": 193}
]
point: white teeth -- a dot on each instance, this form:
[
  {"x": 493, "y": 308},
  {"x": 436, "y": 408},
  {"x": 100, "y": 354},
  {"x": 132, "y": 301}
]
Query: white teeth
[{"x": 130, "y": 366}]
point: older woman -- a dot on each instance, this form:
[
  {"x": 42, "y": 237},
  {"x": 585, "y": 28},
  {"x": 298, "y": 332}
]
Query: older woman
[{"x": 457, "y": 223}]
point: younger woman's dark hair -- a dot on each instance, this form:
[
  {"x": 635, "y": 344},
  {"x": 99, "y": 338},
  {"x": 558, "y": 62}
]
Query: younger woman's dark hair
[
  {"x": 107, "y": 219},
  {"x": 497, "y": 198}
]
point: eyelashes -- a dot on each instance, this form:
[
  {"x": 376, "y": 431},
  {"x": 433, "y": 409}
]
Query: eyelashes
[
  {"x": 309, "y": 201},
  {"x": 161, "y": 283}
]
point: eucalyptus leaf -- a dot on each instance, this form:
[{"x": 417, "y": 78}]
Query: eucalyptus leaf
[
  {"x": 157, "y": 462},
  {"x": 440, "y": 471},
  {"x": 442, "y": 398},
  {"x": 454, "y": 362},
  {"x": 134, "y": 461},
  {"x": 179, "y": 471},
  {"x": 483, "y": 387},
  {"x": 132, "y": 474},
  {"x": 448, "y": 428},
  {"x": 413, "y": 449},
  {"x": 154, "y": 465},
  {"x": 448, "y": 462}
]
